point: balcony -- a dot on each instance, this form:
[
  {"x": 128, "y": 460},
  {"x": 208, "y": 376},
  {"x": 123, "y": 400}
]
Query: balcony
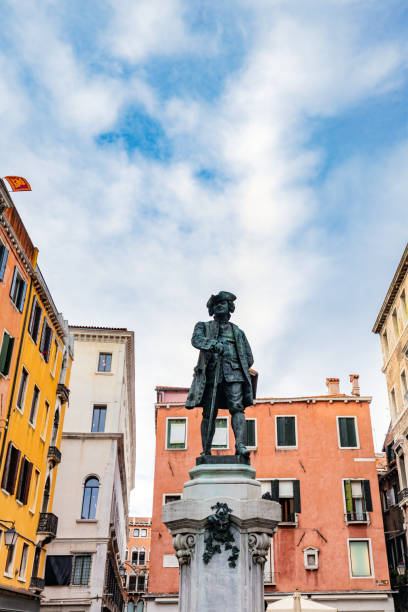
[
  {"x": 356, "y": 517},
  {"x": 63, "y": 392},
  {"x": 402, "y": 496},
  {"x": 37, "y": 584},
  {"x": 47, "y": 525},
  {"x": 54, "y": 455}
]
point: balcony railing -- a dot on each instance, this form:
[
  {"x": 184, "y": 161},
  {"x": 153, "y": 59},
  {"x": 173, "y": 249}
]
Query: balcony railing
[
  {"x": 356, "y": 517},
  {"x": 48, "y": 524},
  {"x": 54, "y": 455},
  {"x": 402, "y": 495},
  {"x": 269, "y": 578},
  {"x": 63, "y": 392},
  {"x": 37, "y": 584}
]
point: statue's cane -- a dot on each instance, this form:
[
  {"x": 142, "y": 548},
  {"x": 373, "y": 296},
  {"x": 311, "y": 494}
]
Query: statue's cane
[{"x": 207, "y": 449}]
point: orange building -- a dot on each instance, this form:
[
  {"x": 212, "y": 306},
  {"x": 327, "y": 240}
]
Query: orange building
[
  {"x": 137, "y": 561},
  {"x": 315, "y": 456}
]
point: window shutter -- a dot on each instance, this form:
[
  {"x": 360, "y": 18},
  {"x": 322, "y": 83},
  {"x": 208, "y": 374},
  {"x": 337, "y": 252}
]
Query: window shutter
[
  {"x": 290, "y": 431},
  {"x": 27, "y": 482},
  {"x": 23, "y": 294},
  {"x": 13, "y": 282},
  {"x": 348, "y": 495},
  {"x": 14, "y": 471},
  {"x": 43, "y": 334},
  {"x": 6, "y": 467},
  {"x": 31, "y": 323},
  {"x": 4, "y": 351},
  {"x": 351, "y": 432},
  {"x": 367, "y": 496},
  {"x": 296, "y": 496},
  {"x": 3, "y": 261},
  {"x": 275, "y": 490},
  {"x": 8, "y": 356}
]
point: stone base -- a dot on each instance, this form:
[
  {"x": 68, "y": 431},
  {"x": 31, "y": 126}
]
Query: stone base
[
  {"x": 221, "y": 564},
  {"x": 222, "y": 460}
]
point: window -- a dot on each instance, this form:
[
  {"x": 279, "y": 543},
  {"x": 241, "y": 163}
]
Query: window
[
  {"x": 46, "y": 339},
  {"x": 401, "y": 471},
  {"x": 347, "y": 428},
  {"x": 286, "y": 432},
  {"x": 105, "y": 362},
  {"x": 220, "y": 439},
  {"x": 45, "y": 421},
  {"x": 54, "y": 365},
  {"x": 3, "y": 260},
  {"x": 126, "y": 555},
  {"x": 8, "y": 482},
  {"x": 395, "y": 324},
  {"x": 46, "y": 495},
  {"x": 269, "y": 569},
  {"x": 250, "y": 433},
  {"x": 18, "y": 290},
  {"x": 143, "y": 533},
  {"x": 24, "y": 481},
  {"x": 393, "y": 406},
  {"x": 357, "y": 497},
  {"x": 171, "y": 497},
  {"x": 90, "y": 498},
  {"x": 22, "y": 390},
  {"x": 360, "y": 558},
  {"x": 135, "y": 533},
  {"x": 55, "y": 427},
  {"x": 6, "y": 353},
  {"x": 287, "y": 493},
  {"x": 385, "y": 344},
  {"x": 23, "y": 563},
  {"x": 10, "y": 561},
  {"x": 35, "y": 490},
  {"x": 35, "y": 320},
  {"x": 404, "y": 306},
  {"x": 311, "y": 558},
  {"x": 82, "y": 569},
  {"x": 98, "y": 418},
  {"x": 135, "y": 556},
  {"x": 58, "y": 570},
  {"x": 34, "y": 405},
  {"x": 404, "y": 388},
  {"x": 140, "y": 583},
  {"x": 132, "y": 583},
  {"x": 138, "y": 556},
  {"x": 176, "y": 433}
]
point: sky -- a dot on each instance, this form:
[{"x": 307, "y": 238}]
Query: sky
[{"x": 178, "y": 148}]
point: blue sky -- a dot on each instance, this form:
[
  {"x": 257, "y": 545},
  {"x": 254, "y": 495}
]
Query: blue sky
[{"x": 178, "y": 148}]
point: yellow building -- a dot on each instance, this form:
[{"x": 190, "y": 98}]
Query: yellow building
[{"x": 31, "y": 431}]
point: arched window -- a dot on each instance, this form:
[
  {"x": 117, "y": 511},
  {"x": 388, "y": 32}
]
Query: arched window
[
  {"x": 90, "y": 498},
  {"x": 55, "y": 428},
  {"x": 142, "y": 557},
  {"x": 140, "y": 583},
  {"x": 134, "y": 555}
]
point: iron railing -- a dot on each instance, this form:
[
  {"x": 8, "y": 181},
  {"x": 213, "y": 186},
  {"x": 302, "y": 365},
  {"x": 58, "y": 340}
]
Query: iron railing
[
  {"x": 54, "y": 455},
  {"x": 37, "y": 583},
  {"x": 48, "y": 524},
  {"x": 401, "y": 495},
  {"x": 356, "y": 517}
]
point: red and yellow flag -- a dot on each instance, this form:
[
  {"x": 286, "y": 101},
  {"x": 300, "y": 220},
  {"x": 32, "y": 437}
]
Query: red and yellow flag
[{"x": 18, "y": 183}]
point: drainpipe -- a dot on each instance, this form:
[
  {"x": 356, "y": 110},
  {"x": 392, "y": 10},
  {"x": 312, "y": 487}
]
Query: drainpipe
[{"x": 13, "y": 388}]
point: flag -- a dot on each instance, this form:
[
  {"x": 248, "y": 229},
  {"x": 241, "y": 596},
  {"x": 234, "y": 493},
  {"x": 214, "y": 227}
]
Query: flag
[{"x": 18, "y": 183}]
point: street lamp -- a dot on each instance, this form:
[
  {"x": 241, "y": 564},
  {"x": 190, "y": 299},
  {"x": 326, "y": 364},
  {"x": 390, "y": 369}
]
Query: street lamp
[{"x": 11, "y": 535}]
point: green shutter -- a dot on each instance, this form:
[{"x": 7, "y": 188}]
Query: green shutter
[
  {"x": 367, "y": 496},
  {"x": 290, "y": 431},
  {"x": 13, "y": 283},
  {"x": 3, "y": 260},
  {"x": 351, "y": 432},
  {"x": 296, "y": 496},
  {"x": 275, "y": 490},
  {"x": 250, "y": 432},
  {"x": 348, "y": 496},
  {"x": 6, "y": 353},
  {"x": 280, "y": 426}
]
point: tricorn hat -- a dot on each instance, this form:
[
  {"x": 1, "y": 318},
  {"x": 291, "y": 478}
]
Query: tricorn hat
[{"x": 220, "y": 297}]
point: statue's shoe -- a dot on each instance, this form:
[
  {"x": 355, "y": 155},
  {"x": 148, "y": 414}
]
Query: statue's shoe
[{"x": 242, "y": 450}]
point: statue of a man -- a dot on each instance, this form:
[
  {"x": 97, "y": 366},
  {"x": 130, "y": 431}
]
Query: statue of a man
[{"x": 221, "y": 376}]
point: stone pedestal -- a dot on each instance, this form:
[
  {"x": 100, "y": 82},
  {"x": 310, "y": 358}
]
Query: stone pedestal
[{"x": 221, "y": 558}]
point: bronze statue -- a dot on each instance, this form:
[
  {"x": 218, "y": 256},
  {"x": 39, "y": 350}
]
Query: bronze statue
[{"x": 221, "y": 377}]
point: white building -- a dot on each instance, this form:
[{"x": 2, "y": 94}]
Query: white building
[{"x": 96, "y": 476}]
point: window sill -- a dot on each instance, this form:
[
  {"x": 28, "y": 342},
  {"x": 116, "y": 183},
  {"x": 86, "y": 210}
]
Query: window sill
[
  {"x": 105, "y": 373},
  {"x": 288, "y": 524},
  {"x": 278, "y": 448},
  {"x": 8, "y": 575},
  {"x": 349, "y": 448},
  {"x": 32, "y": 425},
  {"x": 20, "y": 503},
  {"x": 21, "y": 579},
  {"x": 87, "y": 520},
  {"x": 176, "y": 449},
  {"x": 6, "y": 492}
]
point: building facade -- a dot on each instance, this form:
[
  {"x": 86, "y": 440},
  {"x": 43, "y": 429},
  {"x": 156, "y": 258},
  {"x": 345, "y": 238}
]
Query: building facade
[
  {"x": 98, "y": 444},
  {"x": 315, "y": 456},
  {"x": 137, "y": 562},
  {"x": 35, "y": 362}
]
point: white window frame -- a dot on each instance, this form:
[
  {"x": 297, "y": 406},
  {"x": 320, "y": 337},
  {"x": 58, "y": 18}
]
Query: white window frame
[
  {"x": 23, "y": 577},
  {"x": 5, "y": 331},
  {"x": 271, "y": 558},
  {"x": 289, "y": 478},
  {"x": 167, "y": 429},
  {"x": 169, "y": 494},
  {"x": 367, "y": 521},
  {"x": 403, "y": 372},
  {"x": 35, "y": 491},
  {"x": 106, "y": 373},
  {"x": 294, "y": 447},
  {"x": 347, "y": 416},
  {"x": 403, "y": 308},
  {"x": 13, "y": 562},
  {"x": 34, "y": 421},
  {"x": 43, "y": 434},
  {"x": 370, "y": 552},
  {"x": 23, "y": 400},
  {"x": 224, "y": 418},
  {"x": 393, "y": 409},
  {"x": 308, "y": 551},
  {"x": 256, "y": 433}
]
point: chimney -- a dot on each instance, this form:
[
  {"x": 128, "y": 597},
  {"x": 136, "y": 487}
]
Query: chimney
[
  {"x": 355, "y": 388},
  {"x": 333, "y": 385}
]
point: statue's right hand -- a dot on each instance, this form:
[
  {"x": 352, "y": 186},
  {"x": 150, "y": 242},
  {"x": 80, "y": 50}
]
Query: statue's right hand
[{"x": 219, "y": 348}]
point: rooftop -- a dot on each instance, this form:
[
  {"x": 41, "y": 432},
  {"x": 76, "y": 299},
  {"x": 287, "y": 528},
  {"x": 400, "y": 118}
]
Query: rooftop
[{"x": 394, "y": 287}]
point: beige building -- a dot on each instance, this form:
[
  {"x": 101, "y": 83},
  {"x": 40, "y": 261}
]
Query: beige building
[
  {"x": 96, "y": 476},
  {"x": 392, "y": 327}
]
